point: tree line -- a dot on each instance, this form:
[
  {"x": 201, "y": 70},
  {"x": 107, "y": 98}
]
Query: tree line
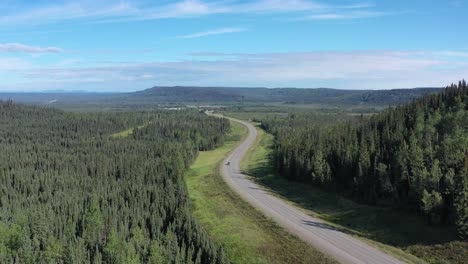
[
  {"x": 72, "y": 193},
  {"x": 412, "y": 156}
]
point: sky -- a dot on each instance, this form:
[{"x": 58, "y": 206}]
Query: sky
[{"x": 122, "y": 46}]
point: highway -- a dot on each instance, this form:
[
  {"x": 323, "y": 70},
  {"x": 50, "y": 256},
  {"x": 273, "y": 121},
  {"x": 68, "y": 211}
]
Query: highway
[{"x": 340, "y": 246}]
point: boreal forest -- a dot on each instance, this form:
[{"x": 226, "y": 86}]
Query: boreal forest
[
  {"x": 82, "y": 188},
  {"x": 414, "y": 156},
  {"x": 141, "y": 184}
]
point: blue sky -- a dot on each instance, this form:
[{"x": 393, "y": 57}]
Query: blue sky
[{"x": 133, "y": 45}]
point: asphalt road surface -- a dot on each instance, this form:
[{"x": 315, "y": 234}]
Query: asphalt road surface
[{"x": 340, "y": 246}]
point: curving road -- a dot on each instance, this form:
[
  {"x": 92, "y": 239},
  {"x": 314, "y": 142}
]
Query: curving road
[{"x": 342, "y": 247}]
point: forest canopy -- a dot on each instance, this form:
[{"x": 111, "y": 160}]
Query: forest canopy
[
  {"x": 73, "y": 193},
  {"x": 413, "y": 156}
]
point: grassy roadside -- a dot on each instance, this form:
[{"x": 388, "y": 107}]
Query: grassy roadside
[
  {"x": 127, "y": 132},
  {"x": 396, "y": 232},
  {"x": 247, "y": 236}
]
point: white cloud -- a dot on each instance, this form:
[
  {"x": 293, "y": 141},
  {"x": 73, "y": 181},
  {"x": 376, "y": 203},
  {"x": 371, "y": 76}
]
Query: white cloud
[
  {"x": 212, "y": 32},
  {"x": 182, "y": 9},
  {"x": 17, "y": 47},
  {"x": 109, "y": 11},
  {"x": 453, "y": 53},
  {"x": 353, "y": 69},
  {"x": 209, "y": 54},
  {"x": 68, "y": 11},
  {"x": 278, "y": 6},
  {"x": 192, "y": 7},
  {"x": 341, "y": 16}
]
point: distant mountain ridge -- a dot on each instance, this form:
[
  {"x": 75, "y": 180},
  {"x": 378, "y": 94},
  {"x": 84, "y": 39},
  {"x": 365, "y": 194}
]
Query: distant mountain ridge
[
  {"x": 284, "y": 95},
  {"x": 161, "y": 95}
]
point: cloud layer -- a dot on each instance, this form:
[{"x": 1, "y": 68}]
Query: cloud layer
[
  {"x": 155, "y": 51},
  {"x": 110, "y": 11},
  {"x": 219, "y": 31},
  {"x": 21, "y": 48},
  {"x": 355, "y": 69}
]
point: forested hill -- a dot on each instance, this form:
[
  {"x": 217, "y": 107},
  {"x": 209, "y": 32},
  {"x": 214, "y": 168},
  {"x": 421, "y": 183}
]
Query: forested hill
[
  {"x": 281, "y": 95},
  {"x": 226, "y": 95},
  {"x": 71, "y": 191},
  {"x": 412, "y": 156}
]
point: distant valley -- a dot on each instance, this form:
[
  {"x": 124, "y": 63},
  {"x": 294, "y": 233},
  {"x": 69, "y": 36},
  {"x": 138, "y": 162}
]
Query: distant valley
[{"x": 178, "y": 95}]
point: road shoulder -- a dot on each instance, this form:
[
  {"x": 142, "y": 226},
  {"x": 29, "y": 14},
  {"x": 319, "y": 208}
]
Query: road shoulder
[{"x": 247, "y": 235}]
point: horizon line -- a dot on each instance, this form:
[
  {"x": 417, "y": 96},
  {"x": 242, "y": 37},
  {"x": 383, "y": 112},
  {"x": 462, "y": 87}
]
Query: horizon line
[{"x": 64, "y": 91}]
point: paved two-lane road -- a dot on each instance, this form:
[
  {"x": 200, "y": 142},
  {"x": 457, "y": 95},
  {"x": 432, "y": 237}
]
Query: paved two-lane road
[{"x": 342, "y": 247}]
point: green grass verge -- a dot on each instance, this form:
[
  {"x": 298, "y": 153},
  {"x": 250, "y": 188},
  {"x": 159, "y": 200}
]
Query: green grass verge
[
  {"x": 399, "y": 233},
  {"x": 247, "y": 236},
  {"x": 126, "y": 133}
]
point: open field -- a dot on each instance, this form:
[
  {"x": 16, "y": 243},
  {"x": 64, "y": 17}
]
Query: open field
[
  {"x": 247, "y": 236},
  {"x": 394, "y": 231}
]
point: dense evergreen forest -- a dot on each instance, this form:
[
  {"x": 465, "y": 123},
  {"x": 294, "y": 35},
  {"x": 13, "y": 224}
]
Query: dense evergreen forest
[
  {"x": 413, "y": 156},
  {"x": 70, "y": 192},
  {"x": 181, "y": 95}
]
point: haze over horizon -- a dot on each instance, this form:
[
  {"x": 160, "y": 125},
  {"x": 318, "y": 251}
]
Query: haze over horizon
[{"x": 133, "y": 45}]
